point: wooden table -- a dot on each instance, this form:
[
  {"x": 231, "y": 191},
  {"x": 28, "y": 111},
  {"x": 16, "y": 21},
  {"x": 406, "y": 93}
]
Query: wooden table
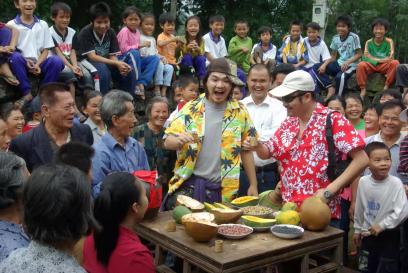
[{"x": 259, "y": 250}]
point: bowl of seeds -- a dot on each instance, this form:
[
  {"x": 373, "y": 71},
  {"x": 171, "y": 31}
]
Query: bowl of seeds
[
  {"x": 234, "y": 231},
  {"x": 287, "y": 231},
  {"x": 258, "y": 211}
]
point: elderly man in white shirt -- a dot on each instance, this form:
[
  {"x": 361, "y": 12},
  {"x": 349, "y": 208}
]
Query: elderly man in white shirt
[{"x": 267, "y": 114}]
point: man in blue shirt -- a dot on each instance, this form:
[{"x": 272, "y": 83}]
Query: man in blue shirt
[{"x": 117, "y": 151}]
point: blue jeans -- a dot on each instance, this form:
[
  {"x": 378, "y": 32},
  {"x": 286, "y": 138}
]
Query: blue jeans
[
  {"x": 334, "y": 70},
  {"x": 267, "y": 180},
  {"x": 105, "y": 75},
  {"x": 163, "y": 74}
]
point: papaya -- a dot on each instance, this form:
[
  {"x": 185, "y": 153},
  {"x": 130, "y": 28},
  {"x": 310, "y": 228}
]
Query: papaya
[
  {"x": 245, "y": 201},
  {"x": 201, "y": 231},
  {"x": 179, "y": 212},
  {"x": 253, "y": 221},
  {"x": 190, "y": 203},
  {"x": 226, "y": 216},
  {"x": 270, "y": 199},
  {"x": 209, "y": 207},
  {"x": 315, "y": 215},
  {"x": 221, "y": 206},
  {"x": 289, "y": 217},
  {"x": 289, "y": 206}
]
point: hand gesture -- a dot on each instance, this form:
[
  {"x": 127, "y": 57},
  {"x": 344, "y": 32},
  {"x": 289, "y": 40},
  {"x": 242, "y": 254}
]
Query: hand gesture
[
  {"x": 183, "y": 139},
  {"x": 77, "y": 71},
  {"x": 146, "y": 44},
  {"x": 123, "y": 68},
  {"x": 375, "y": 230},
  {"x": 345, "y": 66}
]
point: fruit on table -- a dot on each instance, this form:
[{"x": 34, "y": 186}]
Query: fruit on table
[
  {"x": 314, "y": 214},
  {"x": 225, "y": 216},
  {"x": 221, "y": 206},
  {"x": 289, "y": 217},
  {"x": 289, "y": 206},
  {"x": 198, "y": 217},
  {"x": 259, "y": 211},
  {"x": 270, "y": 199},
  {"x": 190, "y": 203},
  {"x": 253, "y": 221},
  {"x": 179, "y": 212},
  {"x": 209, "y": 207},
  {"x": 201, "y": 231},
  {"x": 245, "y": 201}
]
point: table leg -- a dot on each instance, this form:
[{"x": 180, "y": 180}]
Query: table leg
[
  {"x": 304, "y": 267},
  {"x": 186, "y": 267},
  {"x": 158, "y": 256}
]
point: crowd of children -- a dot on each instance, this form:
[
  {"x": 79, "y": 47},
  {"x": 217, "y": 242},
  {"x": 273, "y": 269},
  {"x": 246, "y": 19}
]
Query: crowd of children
[{"x": 96, "y": 59}]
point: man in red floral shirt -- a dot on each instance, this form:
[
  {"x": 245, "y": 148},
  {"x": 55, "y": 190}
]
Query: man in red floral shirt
[{"x": 301, "y": 147}]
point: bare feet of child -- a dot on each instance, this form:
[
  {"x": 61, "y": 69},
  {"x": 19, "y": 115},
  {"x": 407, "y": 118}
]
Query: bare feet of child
[
  {"x": 330, "y": 92},
  {"x": 21, "y": 102},
  {"x": 7, "y": 75},
  {"x": 163, "y": 91}
]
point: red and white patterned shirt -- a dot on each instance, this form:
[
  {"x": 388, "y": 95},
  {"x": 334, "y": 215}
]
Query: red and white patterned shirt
[{"x": 305, "y": 159}]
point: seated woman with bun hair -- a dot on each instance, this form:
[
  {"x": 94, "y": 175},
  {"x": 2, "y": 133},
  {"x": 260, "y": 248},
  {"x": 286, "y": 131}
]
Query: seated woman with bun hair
[
  {"x": 13, "y": 173},
  {"x": 116, "y": 248}
]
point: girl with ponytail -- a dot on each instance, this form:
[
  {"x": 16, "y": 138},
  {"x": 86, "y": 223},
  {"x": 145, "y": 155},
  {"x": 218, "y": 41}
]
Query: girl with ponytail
[{"x": 116, "y": 248}]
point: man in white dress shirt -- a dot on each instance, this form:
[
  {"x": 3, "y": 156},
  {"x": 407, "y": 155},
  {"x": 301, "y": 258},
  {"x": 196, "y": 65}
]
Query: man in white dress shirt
[{"x": 267, "y": 113}]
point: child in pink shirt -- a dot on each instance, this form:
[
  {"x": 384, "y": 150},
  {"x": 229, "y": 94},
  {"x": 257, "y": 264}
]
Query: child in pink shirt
[{"x": 129, "y": 44}]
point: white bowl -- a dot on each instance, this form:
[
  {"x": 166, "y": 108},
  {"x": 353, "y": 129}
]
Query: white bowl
[
  {"x": 235, "y": 237},
  {"x": 275, "y": 231}
]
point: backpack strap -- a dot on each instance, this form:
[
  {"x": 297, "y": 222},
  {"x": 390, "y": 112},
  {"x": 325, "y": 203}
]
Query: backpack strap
[{"x": 331, "y": 168}]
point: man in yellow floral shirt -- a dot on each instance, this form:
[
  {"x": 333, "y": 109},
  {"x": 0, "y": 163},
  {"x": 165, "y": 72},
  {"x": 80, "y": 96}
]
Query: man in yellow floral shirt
[{"x": 208, "y": 133}]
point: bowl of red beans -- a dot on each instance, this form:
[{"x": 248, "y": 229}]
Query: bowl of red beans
[{"x": 234, "y": 231}]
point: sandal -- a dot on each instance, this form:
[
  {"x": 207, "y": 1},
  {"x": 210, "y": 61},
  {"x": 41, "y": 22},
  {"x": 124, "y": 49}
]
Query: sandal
[{"x": 10, "y": 79}]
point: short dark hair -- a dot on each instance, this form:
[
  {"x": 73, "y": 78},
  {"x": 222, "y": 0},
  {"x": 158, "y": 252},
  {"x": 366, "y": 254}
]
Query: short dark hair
[
  {"x": 336, "y": 98},
  {"x": 76, "y": 154},
  {"x": 60, "y": 6},
  {"x": 47, "y": 92},
  {"x": 185, "y": 80},
  {"x": 88, "y": 95},
  {"x": 258, "y": 67},
  {"x": 57, "y": 205},
  {"x": 376, "y": 107},
  {"x": 313, "y": 25},
  {"x": 393, "y": 93},
  {"x": 345, "y": 19},
  {"x": 6, "y": 110},
  {"x": 376, "y": 145},
  {"x": 119, "y": 191},
  {"x": 166, "y": 17},
  {"x": 241, "y": 21},
  {"x": 147, "y": 15},
  {"x": 355, "y": 97},
  {"x": 381, "y": 22},
  {"x": 264, "y": 29},
  {"x": 100, "y": 9},
  {"x": 216, "y": 18},
  {"x": 152, "y": 102},
  {"x": 283, "y": 69},
  {"x": 296, "y": 23},
  {"x": 391, "y": 104},
  {"x": 11, "y": 179},
  {"x": 131, "y": 10}
]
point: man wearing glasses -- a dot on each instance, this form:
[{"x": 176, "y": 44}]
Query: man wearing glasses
[{"x": 301, "y": 147}]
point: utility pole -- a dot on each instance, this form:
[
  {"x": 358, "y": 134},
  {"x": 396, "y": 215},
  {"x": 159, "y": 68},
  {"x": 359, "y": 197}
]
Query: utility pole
[{"x": 320, "y": 14}]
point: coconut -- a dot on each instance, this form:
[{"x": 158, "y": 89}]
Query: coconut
[
  {"x": 190, "y": 203},
  {"x": 314, "y": 214},
  {"x": 201, "y": 231},
  {"x": 226, "y": 216},
  {"x": 197, "y": 217}
]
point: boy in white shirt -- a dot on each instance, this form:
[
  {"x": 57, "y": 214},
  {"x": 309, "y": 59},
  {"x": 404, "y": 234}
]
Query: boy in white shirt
[
  {"x": 34, "y": 41},
  {"x": 381, "y": 206}
]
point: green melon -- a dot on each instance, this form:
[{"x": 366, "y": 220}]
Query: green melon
[
  {"x": 270, "y": 200},
  {"x": 253, "y": 221},
  {"x": 179, "y": 212}
]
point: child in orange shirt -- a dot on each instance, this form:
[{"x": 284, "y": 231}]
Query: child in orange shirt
[{"x": 166, "y": 41}]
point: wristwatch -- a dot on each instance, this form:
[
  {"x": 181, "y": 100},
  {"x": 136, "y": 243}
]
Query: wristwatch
[{"x": 328, "y": 195}]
